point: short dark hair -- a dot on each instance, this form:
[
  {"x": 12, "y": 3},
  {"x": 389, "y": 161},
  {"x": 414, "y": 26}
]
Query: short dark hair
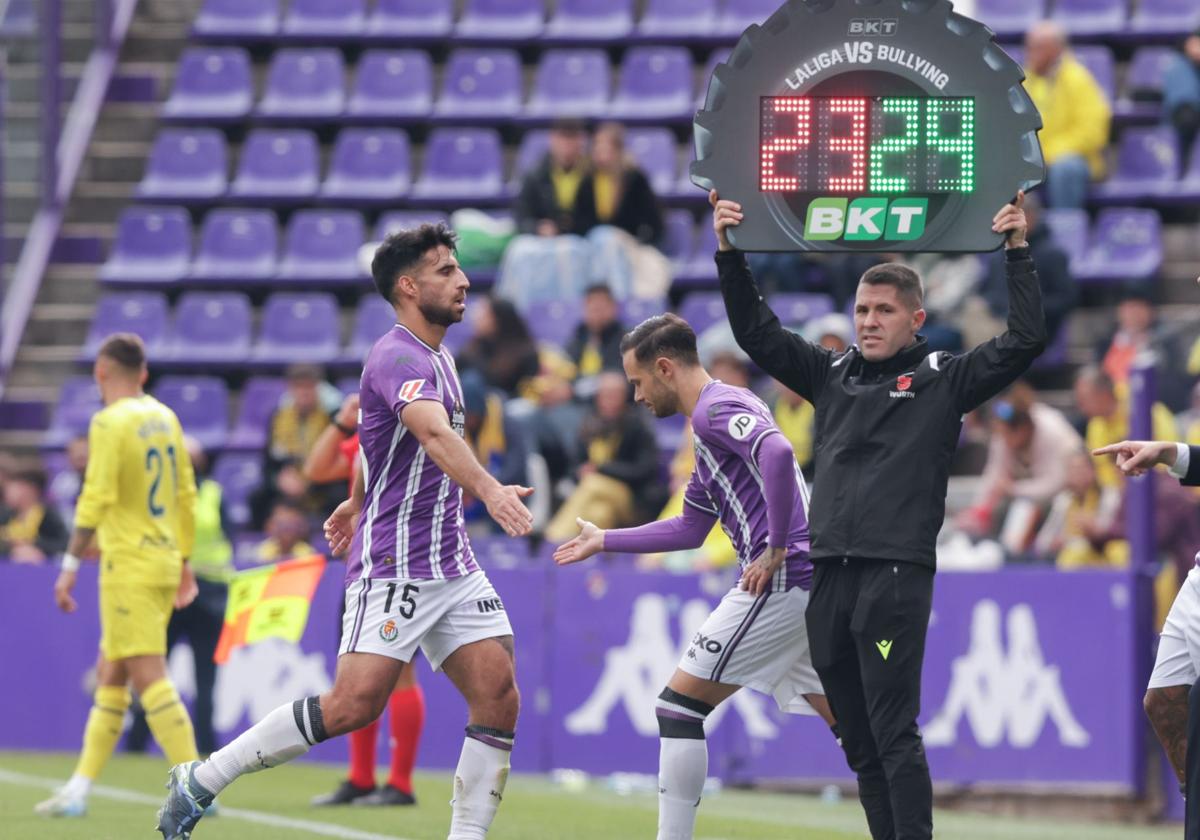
[
  {"x": 599, "y": 289},
  {"x": 32, "y": 477},
  {"x": 906, "y": 282},
  {"x": 126, "y": 349},
  {"x": 401, "y": 251},
  {"x": 1094, "y": 376},
  {"x": 663, "y": 335},
  {"x": 568, "y": 125}
]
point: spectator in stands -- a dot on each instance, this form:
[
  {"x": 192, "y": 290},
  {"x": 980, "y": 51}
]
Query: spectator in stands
[
  {"x": 1105, "y": 407},
  {"x": 616, "y": 192},
  {"x": 501, "y": 347},
  {"x": 31, "y": 531},
  {"x": 618, "y": 483},
  {"x": 64, "y": 488},
  {"x": 1139, "y": 329},
  {"x": 288, "y": 529},
  {"x": 1072, "y": 534},
  {"x": 545, "y": 205},
  {"x": 1181, "y": 91},
  {"x": 730, "y": 368},
  {"x": 1075, "y": 115},
  {"x": 595, "y": 346}
]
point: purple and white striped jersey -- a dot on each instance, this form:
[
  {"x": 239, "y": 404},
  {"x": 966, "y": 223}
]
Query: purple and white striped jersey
[
  {"x": 728, "y": 426},
  {"x": 411, "y": 525}
]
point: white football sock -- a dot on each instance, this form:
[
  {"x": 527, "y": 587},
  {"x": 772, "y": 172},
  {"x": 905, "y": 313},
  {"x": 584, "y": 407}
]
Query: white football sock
[
  {"x": 682, "y": 762},
  {"x": 479, "y": 782},
  {"x": 277, "y": 738}
]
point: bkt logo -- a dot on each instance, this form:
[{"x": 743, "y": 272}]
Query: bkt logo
[
  {"x": 874, "y": 26},
  {"x": 865, "y": 219}
]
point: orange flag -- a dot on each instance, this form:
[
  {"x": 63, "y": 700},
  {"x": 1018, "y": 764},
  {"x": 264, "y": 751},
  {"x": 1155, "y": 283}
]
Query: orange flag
[{"x": 269, "y": 602}]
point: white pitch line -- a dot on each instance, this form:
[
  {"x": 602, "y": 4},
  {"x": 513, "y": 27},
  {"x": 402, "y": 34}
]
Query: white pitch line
[{"x": 259, "y": 817}]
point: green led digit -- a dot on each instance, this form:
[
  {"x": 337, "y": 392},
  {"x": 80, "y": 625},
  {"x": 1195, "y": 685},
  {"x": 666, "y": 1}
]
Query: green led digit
[
  {"x": 960, "y": 144},
  {"x": 895, "y": 144}
]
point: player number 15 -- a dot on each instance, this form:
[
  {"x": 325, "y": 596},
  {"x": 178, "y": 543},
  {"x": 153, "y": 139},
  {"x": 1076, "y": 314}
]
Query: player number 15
[{"x": 408, "y": 605}]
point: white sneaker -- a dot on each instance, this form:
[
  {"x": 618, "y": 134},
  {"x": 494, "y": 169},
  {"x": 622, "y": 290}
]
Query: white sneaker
[{"x": 62, "y": 804}]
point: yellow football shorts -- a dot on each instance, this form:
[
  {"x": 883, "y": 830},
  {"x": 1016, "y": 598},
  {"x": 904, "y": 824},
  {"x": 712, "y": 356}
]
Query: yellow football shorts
[{"x": 133, "y": 619}]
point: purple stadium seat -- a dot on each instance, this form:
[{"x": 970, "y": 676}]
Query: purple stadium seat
[
  {"x": 1069, "y": 227},
  {"x": 570, "y": 83},
  {"x": 655, "y": 83},
  {"x": 392, "y": 84},
  {"x": 141, "y": 313},
  {"x": 718, "y": 56},
  {"x": 795, "y": 308},
  {"x": 702, "y": 309},
  {"x": 78, "y": 400},
  {"x": 304, "y": 84},
  {"x": 239, "y": 474},
  {"x": 1098, "y": 59},
  {"x": 1189, "y": 186},
  {"x": 680, "y": 237},
  {"x": 202, "y": 405},
  {"x": 405, "y": 219},
  {"x": 322, "y": 246},
  {"x": 186, "y": 165},
  {"x": 481, "y": 83},
  {"x": 211, "y": 84},
  {"x": 552, "y": 322},
  {"x": 1147, "y": 165},
  {"x": 411, "y": 19},
  {"x": 277, "y": 165},
  {"x": 326, "y": 18},
  {"x": 501, "y": 20},
  {"x": 248, "y": 19},
  {"x": 461, "y": 165},
  {"x": 258, "y": 399},
  {"x": 298, "y": 327},
  {"x": 591, "y": 20},
  {"x": 736, "y": 15},
  {"x": 1165, "y": 17},
  {"x": 372, "y": 319},
  {"x": 237, "y": 246},
  {"x": 1126, "y": 245},
  {"x": 368, "y": 164},
  {"x": 1091, "y": 17},
  {"x": 701, "y": 270},
  {"x": 655, "y": 152},
  {"x": 211, "y": 327},
  {"x": 153, "y": 244},
  {"x": 666, "y": 19},
  {"x": 1144, "y": 80},
  {"x": 636, "y": 310},
  {"x": 531, "y": 151},
  {"x": 1008, "y": 18}
]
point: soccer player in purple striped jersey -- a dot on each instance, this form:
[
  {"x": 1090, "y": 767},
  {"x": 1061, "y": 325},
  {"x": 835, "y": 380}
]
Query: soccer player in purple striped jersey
[
  {"x": 746, "y": 478},
  {"x": 412, "y": 580}
]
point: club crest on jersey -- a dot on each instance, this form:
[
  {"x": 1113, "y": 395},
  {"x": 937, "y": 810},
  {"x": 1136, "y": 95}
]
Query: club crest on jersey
[
  {"x": 389, "y": 631},
  {"x": 410, "y": 389},
  {"x": 903, "y": 383}
]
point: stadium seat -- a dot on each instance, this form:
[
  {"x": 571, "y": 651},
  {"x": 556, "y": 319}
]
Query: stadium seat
[
  {"x": 325, "y": 18},
  {"x": 1126, "y": 245},
  {"x": 152, "y": 245},
  {"x": 78, "y": 400},
  {"x": 679, "y": 238},
  {"x": 304, "y": 84},
  {"x": 186, "y": 165},
  {"x": 702, "y": 309},
  {"x": 670, "y": 19},
  {"x": 405, "y": 219},
  {"x": 501, "y": 20},
  {"x": 655, "y": 83},
  {"x": 797, "y": 308},
  {"x": 258, "y": 399},
  {"x": 392, "y": 85},
  {"x": 534, "y": 145},
  {"x": 591, "y": 20},
  {"x": 411, "y": 19},
  {"x": 321, "y": 246},
  {"x": 1010, "y": 18},
  {"x": 211, "y": 84},
  {"x": 141, "y": 313},
  {"x": 1069, "y": 227},
  {"x": 1099, "y": 61},
  {"x": 461, "y": 166},
  {"x": 368, "y": 165},
  {"x": 298, "y": 327},
  {"x": 239, "y": 474},
  {"x": 278, "y": 165},
  {"x": 1144, "y": 79},
  {"x": 1090, "y": 17},
  {"x": 570, "y": 82},
  {"x": 1165, "y": 17},
  {"x": 237, "y": 246},
  {"x": 655, "y": 153},
  {"x": 552, "y": 322},
  {"x": 202, "y": 405},
  {"x": 373, "y": 317},
  {"x": 701, "y": 269},
  {"x": 481, "y": 83},
  {"x": 636, "y": 310},
  {"x": 736, "y": 15},
  {"x": 1147, "y": 167},
  {"x": 1189, "y": 185},
  {"x": 211, "y": 327},
  {"x": 240, "y": 19}
]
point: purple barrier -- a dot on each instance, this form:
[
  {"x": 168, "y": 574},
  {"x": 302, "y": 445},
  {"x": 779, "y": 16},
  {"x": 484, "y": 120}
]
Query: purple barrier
[{"x": 1028, "y": 677}]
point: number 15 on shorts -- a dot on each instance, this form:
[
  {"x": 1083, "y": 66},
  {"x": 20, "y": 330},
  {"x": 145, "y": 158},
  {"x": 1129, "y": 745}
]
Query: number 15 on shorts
[{"x": 406, "y": 606}]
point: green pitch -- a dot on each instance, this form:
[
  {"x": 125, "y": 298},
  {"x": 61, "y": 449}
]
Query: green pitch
[{"x": 275, "y": 804}]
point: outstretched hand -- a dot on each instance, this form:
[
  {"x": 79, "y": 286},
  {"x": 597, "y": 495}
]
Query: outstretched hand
[
  {"x": 590, "y": 541},
  {"x": 504, "y": 505},
  {"x": 1135, "y": 457}
]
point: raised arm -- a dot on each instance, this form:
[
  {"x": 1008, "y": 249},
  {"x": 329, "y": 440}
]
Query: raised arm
[{"x": 326, "y": 462}]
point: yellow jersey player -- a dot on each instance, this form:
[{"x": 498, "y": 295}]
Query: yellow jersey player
[{"x": 138, "y": 497}]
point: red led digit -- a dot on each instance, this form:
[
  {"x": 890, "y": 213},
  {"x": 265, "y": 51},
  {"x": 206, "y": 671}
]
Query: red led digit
[
  {"x": 853, "y": 144},
  {"x": 778, "y": 109}
]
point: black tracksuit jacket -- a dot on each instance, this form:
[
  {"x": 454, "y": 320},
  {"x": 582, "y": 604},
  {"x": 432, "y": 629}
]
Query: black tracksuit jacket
[{"x": 884, "y": 432}]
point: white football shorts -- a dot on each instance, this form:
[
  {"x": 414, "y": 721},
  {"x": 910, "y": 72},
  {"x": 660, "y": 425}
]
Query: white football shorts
[{"x": 1178, "y": 660}]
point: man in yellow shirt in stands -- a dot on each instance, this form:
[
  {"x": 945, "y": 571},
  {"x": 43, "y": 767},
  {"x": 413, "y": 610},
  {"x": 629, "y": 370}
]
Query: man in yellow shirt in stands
[
  {"x": 139, "y": 496},
  {"x": 1106, "y": 407},
  {"x": 1076, "y": 115}
]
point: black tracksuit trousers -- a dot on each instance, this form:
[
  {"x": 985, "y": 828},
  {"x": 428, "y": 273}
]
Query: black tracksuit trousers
[{"x": 867, "y": 621}]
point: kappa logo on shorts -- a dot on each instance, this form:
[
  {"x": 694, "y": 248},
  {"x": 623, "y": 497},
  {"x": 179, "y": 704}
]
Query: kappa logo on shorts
[
  {"x": 389, "y": 631},
  {"x": 410, "y": 390}
]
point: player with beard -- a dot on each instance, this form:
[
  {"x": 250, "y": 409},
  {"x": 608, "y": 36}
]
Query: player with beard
[{"x": 412, "y": 579}]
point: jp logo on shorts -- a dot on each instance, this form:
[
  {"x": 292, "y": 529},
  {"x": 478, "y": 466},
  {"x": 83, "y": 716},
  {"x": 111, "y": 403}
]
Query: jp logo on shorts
[{"x": 389, "y": 631}]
